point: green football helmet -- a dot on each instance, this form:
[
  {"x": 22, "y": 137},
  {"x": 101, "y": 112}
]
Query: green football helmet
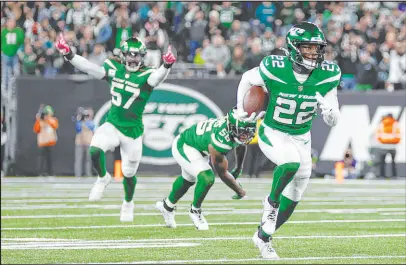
[
  {"x": 306, "y": 45},
  {"x": 132, "y": 55},
  {"x": 242, "y": 132}
]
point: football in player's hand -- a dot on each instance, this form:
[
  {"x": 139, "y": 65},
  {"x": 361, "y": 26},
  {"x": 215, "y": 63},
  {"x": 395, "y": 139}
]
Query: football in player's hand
[{"x": 255, "y": 100}]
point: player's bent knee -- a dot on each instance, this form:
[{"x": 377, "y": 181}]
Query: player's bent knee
[
  {"x": 129, "y": 169},
  {"x": 207, "y": 177}
]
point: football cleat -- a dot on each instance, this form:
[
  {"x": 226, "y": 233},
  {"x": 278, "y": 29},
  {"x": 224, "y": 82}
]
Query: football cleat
[
  {"x": 98, "y": 188},
  {"x": 167, "y": 213},
  {"x": 265, "y": 248},
  {"x": 127, "y": 211},
  {"x": 198, "y": 219},
  {"x": 269, "y": 217}
]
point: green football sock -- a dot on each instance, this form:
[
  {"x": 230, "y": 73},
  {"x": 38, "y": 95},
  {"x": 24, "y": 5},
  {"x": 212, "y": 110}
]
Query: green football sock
[
  {"x": 129, "y": 188},
  {"x": 286, "y": 209},
  {"x": 282, "y": 175},
  {"x": 205, "y": 180},
  {"x": 99, "y": 160},
  {"x": 179, "y": 188}
]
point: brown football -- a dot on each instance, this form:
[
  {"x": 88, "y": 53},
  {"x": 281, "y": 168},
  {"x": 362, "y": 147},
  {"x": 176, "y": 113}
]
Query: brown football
[{"x": 255, "y": 100}]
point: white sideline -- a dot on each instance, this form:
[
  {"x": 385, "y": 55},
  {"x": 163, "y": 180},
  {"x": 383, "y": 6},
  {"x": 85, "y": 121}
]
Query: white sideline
[
  {"x": 212, "y": 211},
  {"x": 218, "y": 261},
  {"x": 211, "y": 224}
]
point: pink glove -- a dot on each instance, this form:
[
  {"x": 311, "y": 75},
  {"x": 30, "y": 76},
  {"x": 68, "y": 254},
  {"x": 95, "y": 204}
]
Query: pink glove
[
  {"x": 169, "y": 58},
  {"x": 63, "y": 47}
]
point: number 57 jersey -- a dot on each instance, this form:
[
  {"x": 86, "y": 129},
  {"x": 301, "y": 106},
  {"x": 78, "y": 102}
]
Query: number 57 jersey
[
  {"x": 129, "y": 94},
  {"x": 292, "y": 105}
]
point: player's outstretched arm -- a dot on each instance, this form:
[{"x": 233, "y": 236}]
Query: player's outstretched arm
[
  {"x": 162, "y": 72},
  {"x": 220, "y": 163},
  {"x": 329, "y": 106},
  {"x": 78, "y": 61}
]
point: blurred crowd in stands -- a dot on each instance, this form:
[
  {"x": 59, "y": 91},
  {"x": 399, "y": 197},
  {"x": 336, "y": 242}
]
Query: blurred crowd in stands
[{"x": 366, "y": 39}]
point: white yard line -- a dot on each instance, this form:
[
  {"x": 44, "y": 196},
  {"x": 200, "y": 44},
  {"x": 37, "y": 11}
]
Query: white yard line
[
  {"x": 235, "y": 261},
  {"x": 77, "y": 241},
  {"x": 65, "y": 246},
  {"x": 217, "y": 211},
  {"x": 211, "y": 224}
]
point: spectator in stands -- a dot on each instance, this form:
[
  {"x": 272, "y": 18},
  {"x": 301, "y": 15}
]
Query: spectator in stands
[
  {"x": 347, "y": 62},
  {"x": 30, "y": 61},
  {"x": 237, "y": 66},
  {"x": 214, "y": 27},
  {"x": 12, "y": 38},
  {"x": 45, "y": 127},
  {"x": 387, "y": 137},
  {"x": 84, "y": 133},
  {"x": 397, "y": 67},
  {"x": 197, "y": 33},
  {"x": 268, "y": 40},
  {"x": 154, "y": 38},
  {"x": 227, "y": 13},
  {"x": 216, "y": 55},
  {"x": 366, "y": 72},
  {"x": 99, "y": 55},
  {"x": 265, "y": 13},
  {"x": 255, "y": 56}
]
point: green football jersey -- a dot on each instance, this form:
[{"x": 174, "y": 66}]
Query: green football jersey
[
  {"x": 129, "y": 95},
  {"x": 292, "y": 105},
  {"x": 212, "y": 131},
  {"x": 11, "y": 40}
]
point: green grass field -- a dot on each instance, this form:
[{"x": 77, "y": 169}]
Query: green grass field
[{"x": 51, "y": 221}]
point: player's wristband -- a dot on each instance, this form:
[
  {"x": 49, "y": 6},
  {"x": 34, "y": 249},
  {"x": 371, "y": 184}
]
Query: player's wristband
[
  {"x": 69, "y": 56},
  {"x": 167, "y": 66}
]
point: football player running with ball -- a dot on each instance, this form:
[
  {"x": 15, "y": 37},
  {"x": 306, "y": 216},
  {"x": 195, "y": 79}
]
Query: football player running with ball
[
  {"x": 131, "y": 84},
  {"x": 191, "y": 149},
  {"x": 297, "y": 84}
]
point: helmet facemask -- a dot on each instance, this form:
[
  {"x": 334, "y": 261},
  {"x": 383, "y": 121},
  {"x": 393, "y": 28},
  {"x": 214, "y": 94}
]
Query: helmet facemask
[
  {"x": 309, "y": 54},
  {"x": 133, "y": 60},
  {"x": 241, "y": 134}
]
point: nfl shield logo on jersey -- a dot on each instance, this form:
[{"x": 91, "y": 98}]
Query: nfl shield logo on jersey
[{"x": 300, "y": 88}]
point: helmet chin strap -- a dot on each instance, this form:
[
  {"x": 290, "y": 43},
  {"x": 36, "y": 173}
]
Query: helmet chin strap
[{"x": 300, "y": 69}]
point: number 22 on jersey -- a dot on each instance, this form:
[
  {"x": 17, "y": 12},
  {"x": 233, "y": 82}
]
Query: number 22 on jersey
[{"x": 288, "y": 107}]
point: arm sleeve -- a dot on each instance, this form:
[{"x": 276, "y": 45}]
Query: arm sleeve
[
  {"x": 331, "y": 119},
  {"x": 78, "y": 127},
  {"x": 37, "y": 126},
  {"x": 250, "y": 78},
  {"x": 158, "y": 76},
  {"x": 88, "y": 67}
]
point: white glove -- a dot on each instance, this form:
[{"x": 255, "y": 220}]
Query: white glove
[
  {"x": 243, "y": 116},
  {"x": 330, "y": 114}
]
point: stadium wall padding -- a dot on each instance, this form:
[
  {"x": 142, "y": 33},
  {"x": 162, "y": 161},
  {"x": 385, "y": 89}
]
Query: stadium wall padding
[{"x": 66, "y": 94}]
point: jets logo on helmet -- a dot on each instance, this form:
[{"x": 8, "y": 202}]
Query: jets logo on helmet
[
  {"x": 306, "y": 46},
  {"x": 133, "y": 52}
]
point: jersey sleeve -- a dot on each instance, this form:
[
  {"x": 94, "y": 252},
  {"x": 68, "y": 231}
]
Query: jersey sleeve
[
  {"x": 111, "y": 67},
  {"x": 332, "y": 75},
  {"x": 220, "y": 144},
  {"x": 272, "y": 68}
]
